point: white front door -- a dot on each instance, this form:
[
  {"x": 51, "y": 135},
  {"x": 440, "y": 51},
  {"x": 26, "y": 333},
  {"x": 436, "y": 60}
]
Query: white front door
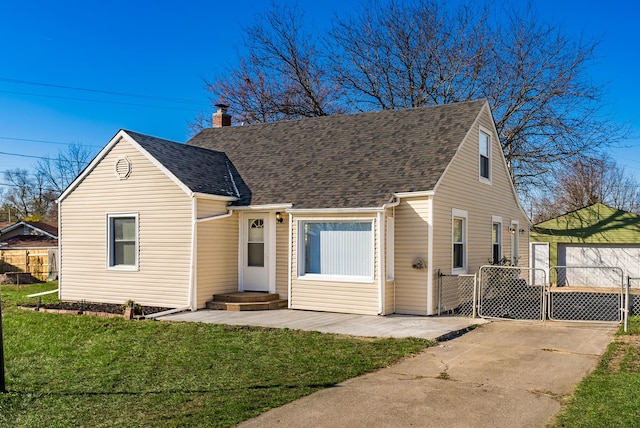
[{"x": 255, "y": 247}]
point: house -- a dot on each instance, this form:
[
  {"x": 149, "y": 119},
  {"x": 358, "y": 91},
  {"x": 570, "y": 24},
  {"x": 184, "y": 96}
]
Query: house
[
  {"x": 353, "y": 213},
  {"x": 29, "y": 247},
  {"x": 594, "y": 236}
]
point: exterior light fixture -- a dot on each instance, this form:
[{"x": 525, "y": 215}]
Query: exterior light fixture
[
  {"x": 512, "y": 230},
  {"x": 279, "y": 217}
]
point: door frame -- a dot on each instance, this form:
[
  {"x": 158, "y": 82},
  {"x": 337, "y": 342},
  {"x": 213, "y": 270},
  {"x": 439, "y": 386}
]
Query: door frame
[{"x": 270, "y": 247}]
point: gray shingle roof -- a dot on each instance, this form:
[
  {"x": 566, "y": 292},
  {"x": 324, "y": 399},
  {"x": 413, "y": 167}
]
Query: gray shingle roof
[
  {"x": 201, "y": 170},
  {"x": 346, "y": 161}
]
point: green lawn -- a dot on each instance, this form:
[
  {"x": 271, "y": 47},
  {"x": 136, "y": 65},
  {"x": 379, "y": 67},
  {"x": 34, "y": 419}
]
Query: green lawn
[
  {"x": 610, "y": 396},
  {"x": 70, "y": 370}
]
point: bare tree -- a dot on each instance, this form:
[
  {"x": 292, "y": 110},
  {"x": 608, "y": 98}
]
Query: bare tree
[
  {"x": 281, "y": 76},
  {"x": 33, "y": 196},
  {"x": 584, "y": 182},
  {"x": 402, "y": 54},
  {"x": 409, "y": 53},
  {"x": 59, "y": 171},
  {"x": 28, "y": 196}
]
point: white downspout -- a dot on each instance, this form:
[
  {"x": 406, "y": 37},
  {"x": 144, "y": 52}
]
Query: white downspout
[
  {"x": 382, "y": 260},
  {"x": 191, "y": 298},
  {"x": 430, "y": 258},
  {"x": 290, "y": 262},
  {"x": 193, "y": 262}
]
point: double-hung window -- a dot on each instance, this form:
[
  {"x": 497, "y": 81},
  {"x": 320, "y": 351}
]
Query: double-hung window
[
  {"x": 459, "y": 241},
  {"x": 496, "y": 238},
  {"x": 485, "y": 156},
  {"x": 122, "y": 241},
  {"x": 336, "y": 250}
]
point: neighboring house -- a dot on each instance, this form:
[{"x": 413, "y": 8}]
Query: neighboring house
[
  {"x": 353, "y": 213},
  {"x": 594, "y": 236},
  {"x": 29, "y": 247}
]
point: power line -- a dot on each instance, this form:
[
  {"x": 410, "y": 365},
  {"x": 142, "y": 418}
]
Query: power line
[
  {"x": 97, "y": 101},
  {"x": 30, "y": 140},
  {"x": 100, "y": 91}
]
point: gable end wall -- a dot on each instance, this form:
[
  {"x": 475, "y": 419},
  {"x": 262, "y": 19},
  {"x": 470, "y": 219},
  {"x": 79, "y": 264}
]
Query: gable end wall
[{"x": 164, "y": 235}]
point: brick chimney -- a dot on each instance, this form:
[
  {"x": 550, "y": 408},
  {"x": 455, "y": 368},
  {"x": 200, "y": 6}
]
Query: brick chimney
[{"x": 221, "y": 117}]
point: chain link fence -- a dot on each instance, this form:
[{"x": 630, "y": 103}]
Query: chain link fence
[
  {"x": 456, "y": 294},
  {"x": 506, "y": 292},
  {"x": 581, "y": 293},
  {"x": 634, "y": 296},
  {"x": 588, "y": 294}
]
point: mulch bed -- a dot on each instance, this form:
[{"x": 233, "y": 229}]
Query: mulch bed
[{"x": 87, "y": 308}]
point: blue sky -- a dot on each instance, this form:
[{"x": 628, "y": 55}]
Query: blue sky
[{"x": 163, "y": 50}]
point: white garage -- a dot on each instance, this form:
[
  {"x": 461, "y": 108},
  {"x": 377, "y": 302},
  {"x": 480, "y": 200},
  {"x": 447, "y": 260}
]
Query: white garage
[{"x": 597, "y": 259}]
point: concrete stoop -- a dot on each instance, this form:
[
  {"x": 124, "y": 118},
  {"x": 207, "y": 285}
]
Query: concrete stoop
[{"x": 247, "y": 301}]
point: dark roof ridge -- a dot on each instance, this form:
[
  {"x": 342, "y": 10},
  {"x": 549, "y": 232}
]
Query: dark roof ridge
[{"x": 343, "y": 115}]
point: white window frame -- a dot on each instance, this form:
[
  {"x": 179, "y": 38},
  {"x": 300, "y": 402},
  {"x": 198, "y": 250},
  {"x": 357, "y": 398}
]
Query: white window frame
[
  {"x": 464, "y": 215},
  {"x": 110, "y": 242},
  {"x": 496, "y": 220},
  {"x": 484, "y": 131},
  {"x": 333, "y": 278},
  {"x": 390, "y": 248}
]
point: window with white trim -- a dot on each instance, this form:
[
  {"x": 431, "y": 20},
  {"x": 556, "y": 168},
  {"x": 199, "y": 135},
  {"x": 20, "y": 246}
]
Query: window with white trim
[
  {"x": 459, "y": 241},
  {"x": 336, "y": 249},
  {"x": 496, "y": 242},
  {"x": 122, "y": 240},
  {"x": 485, "y": 155}
]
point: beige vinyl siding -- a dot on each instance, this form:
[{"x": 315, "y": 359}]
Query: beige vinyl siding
[
  {"x": 282, "y": 257},
  {"x": 411, "y": 242},
  {"x": 330, "y": 296},
  {"x": 164, "y": 235},
  {"x": 460, "y": 188},
  {"x": 217, "y": 249}
]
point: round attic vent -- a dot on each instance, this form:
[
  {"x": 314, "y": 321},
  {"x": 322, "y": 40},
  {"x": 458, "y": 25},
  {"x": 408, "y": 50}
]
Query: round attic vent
[{"x": 123, "y": 168}]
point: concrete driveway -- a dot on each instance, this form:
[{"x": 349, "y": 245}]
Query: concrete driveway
[{"x": 502, "y": 374}]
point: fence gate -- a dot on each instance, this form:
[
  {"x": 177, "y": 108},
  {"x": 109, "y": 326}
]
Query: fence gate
[
  {"x": 580, "y": 293},
  {"x": 508, "y": 292},
  {"x": 456, "y": 294}
]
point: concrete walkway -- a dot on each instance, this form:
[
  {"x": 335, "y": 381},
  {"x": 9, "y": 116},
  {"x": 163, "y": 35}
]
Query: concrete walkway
[
  {"x": 502, "y": 374},
  {"x": 436, "y": 328}
]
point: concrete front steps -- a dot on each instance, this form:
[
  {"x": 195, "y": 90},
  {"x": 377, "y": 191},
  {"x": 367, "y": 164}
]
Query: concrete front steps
[{"x": 247, "y": 301}]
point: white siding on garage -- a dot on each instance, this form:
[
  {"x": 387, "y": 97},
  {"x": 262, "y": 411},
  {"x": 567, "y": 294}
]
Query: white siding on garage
[
  {"x": 164, "y": 212},
  {"x": 592, "y": 257}
]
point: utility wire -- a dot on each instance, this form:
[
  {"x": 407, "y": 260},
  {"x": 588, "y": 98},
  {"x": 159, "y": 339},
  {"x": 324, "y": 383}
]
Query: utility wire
[
  {"x": 97, "y": 101},
  {"x": 44, "y": 141},
  {"x": 99, "y": 91}
]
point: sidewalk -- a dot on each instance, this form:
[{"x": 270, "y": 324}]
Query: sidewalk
[{"x": 502, "y": 374}]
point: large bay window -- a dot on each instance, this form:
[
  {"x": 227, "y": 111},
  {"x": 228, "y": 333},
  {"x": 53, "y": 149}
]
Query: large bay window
[
  {"x": 336, "y": 250},
  {"x": 122, "y": 241}
]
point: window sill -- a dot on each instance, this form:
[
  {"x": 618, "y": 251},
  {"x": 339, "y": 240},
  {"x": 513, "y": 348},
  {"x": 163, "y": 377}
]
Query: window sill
[
  {"x": 123, "y": 268},
  {"x": 336, "y": 278}
]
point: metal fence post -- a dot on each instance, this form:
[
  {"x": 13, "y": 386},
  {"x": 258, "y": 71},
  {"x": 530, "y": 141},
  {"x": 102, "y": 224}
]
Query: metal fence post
[
  {"x": 474, "y": 312},
  {"x": 626, "y": 305}
]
